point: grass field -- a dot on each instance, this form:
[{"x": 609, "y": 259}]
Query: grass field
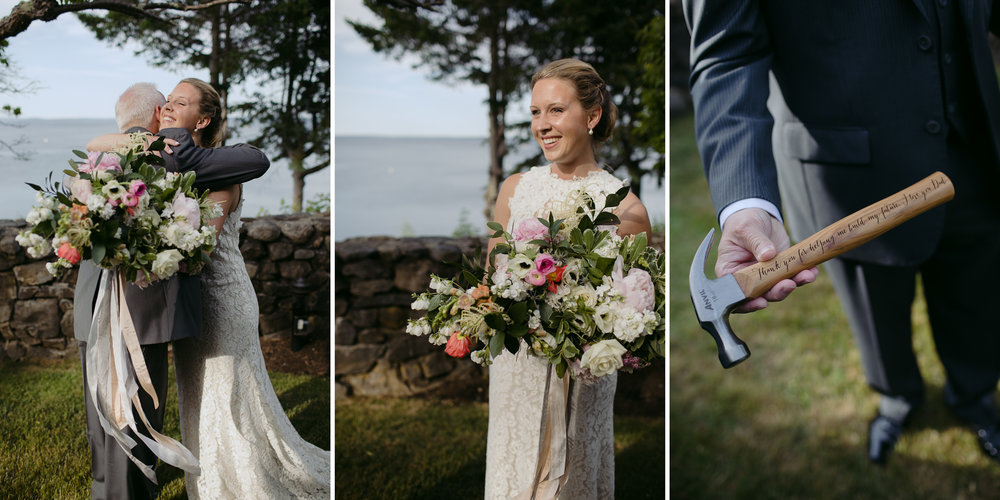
[
  {"x": 43, "y": 446},
  {"x": 411, "y": 448},
  {"x": 792, "y": 420}
]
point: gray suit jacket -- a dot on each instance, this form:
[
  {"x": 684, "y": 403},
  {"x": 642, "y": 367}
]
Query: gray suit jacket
[
  {"x": 171, "y": 309},
  {"x": 856, "y": 98}
]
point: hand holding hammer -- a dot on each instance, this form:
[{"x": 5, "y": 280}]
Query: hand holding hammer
[{"x": 714, "y": 299}]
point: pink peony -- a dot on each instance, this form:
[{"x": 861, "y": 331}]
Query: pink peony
[
  {"x": 66, "y": 251},
  {"x": 637, "y": 288},
  {"x": 108, "y": 161},
  {"x": 545, "y": 263},
  {"x": 530, "y": 229},
  {"x": 80, "y": 189},
  {"x": 535, "y": 278},
  {"x": 187, "y": 208},
  {"x": 458, "y": 345}
]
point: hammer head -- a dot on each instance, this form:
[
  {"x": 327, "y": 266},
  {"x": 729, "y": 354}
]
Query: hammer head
[{"x": 713, "y": 301}]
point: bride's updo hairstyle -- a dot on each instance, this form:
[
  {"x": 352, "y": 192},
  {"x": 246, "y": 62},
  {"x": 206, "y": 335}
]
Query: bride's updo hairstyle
[
  {"x": 590, "y": 90},
  {"x": 210, "y": 106}
]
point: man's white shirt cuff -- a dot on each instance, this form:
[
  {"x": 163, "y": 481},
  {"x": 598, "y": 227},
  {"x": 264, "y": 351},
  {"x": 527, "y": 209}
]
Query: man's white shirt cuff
[{"x": 760, "y": 203}]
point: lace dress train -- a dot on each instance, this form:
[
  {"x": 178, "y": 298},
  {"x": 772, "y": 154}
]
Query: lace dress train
[{"x": 231, "y": 418}]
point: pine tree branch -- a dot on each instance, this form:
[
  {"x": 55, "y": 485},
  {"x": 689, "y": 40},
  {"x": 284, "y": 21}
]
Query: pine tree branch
[{"x": 28, "y": 11}]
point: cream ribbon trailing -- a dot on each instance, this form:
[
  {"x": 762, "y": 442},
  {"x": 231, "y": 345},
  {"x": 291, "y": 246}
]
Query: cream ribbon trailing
[
  {"x": 553, "y": 436},
  {"x": 115, "y": 371}
]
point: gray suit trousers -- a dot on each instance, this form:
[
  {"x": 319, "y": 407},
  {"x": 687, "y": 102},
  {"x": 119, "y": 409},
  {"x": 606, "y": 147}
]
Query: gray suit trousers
[{"x": 114, "y": 475}]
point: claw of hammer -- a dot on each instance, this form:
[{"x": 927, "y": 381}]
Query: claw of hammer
[{"x": 714, "y": 299}]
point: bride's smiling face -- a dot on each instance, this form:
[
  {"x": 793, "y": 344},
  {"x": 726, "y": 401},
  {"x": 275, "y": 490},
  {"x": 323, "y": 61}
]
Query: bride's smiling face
[
  {"x": 559, "y": 123},
  {"x": 182, "y": 109}
]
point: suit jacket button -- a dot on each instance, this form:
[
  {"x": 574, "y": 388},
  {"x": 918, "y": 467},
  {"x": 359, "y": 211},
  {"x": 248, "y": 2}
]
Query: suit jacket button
[
  {"x": 932, "y": 126},
  {"x": 925, "y": 43}
]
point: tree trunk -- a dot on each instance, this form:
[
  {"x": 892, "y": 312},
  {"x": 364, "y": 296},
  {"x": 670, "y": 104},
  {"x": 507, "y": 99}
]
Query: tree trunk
[
  {"x": 298, "y": 185},
  {"x": 498, "y": 146}
]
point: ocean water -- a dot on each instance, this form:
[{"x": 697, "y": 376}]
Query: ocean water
[
  {"x": 422, "y": 187},
  {"x": 50, "y": 144}
]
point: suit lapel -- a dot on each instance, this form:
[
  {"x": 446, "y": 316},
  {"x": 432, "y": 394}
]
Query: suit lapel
[{"x": 922, "y": 7}]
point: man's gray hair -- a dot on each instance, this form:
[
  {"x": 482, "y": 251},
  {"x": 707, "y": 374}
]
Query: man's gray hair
[{"x": 137, "y": 104}]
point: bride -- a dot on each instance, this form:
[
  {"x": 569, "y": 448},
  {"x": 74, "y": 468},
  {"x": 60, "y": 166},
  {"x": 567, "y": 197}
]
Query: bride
[
  {"x": 231, "y": 419},
  {"x": 571, "y": 115}
]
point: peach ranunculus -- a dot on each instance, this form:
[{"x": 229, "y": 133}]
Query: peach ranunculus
[
  {"x": 481, "y": 292},
  {"x": 458, "y": 345},
  {"x": 66, "y": 251}
]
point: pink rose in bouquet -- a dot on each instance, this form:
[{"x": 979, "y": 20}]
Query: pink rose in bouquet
[
  {"x": 458, "y": 345},
  {"x": 107, "y": 162},
  {"x": 530, "y": 229},
  {"x": 545, "y": 264}
]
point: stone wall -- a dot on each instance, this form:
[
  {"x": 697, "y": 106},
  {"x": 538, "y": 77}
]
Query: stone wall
[
  {"x": 287, "y": 258},
  {"x": 374, "y": 356}
]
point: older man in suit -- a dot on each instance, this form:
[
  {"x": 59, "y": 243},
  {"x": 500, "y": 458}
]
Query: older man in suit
[
  {"x": 163, "y": 311},
  {"x": 834, "y": 104}
]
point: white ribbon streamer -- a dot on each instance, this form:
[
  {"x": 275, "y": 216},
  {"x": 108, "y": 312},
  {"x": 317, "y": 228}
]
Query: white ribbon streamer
[
  {"x": 553, "y": 435},
  {"x": 115, "y": 371}
]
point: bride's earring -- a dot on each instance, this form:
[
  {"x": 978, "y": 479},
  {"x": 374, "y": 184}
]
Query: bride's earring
[{"x": 590, "y": 131}]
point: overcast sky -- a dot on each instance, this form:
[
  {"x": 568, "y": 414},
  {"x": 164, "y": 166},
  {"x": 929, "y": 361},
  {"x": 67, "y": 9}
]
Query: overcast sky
[{"x": 78, "y": 76}]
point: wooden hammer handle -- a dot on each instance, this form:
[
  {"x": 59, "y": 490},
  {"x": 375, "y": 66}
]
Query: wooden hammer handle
[{"x": 847, "y": 233}]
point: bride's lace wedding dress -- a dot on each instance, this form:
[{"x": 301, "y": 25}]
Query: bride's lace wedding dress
[
  {"x": 517, "y": 384},
  {"x": 230, "y": 416}
]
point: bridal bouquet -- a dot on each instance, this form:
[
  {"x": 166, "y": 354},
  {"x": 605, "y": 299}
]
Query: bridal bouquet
[
  {"x": 567, "y": 286},
  {"x": 123, "y": 212}
]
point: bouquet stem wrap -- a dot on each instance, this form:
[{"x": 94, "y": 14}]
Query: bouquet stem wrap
[
  {"x": 115, "y": 371},
  {"x": 553, "y": 436}
]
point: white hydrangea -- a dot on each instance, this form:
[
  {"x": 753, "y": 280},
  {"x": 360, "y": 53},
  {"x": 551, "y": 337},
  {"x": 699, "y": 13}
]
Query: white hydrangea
[
  {"x": 36, "y": 246},
  {"x": 421, "y": 304},
  {"x": 440, "y": 285},
  {"x": 38, "y": 214},
  {"x": 629, "y": 324},
  {"x": 480, "y": 357},
  {"x": 181, "y": 236},
  {"x": 418, "y": 327},
  {"x": 535, "y": 320},
  {"x": 106, "y": 211},
  {"x": 44, "y": 200},
  {"x": 96, "y": 202}
]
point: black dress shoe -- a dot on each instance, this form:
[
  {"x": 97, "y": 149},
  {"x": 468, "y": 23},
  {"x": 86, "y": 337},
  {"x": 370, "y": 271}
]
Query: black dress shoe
[
  {"x": 982, "y": 417},
  {"x": 882, "y": 436}
]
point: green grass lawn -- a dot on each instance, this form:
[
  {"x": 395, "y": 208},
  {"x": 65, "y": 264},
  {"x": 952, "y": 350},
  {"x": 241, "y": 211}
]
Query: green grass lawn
[
  {"x": 792, "y": 420},
  {"x": 43, "y": 446},
  {"x": 436, "y": 449}
]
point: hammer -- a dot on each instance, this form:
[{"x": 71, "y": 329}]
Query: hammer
[{"x": 714, "y": 299}]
